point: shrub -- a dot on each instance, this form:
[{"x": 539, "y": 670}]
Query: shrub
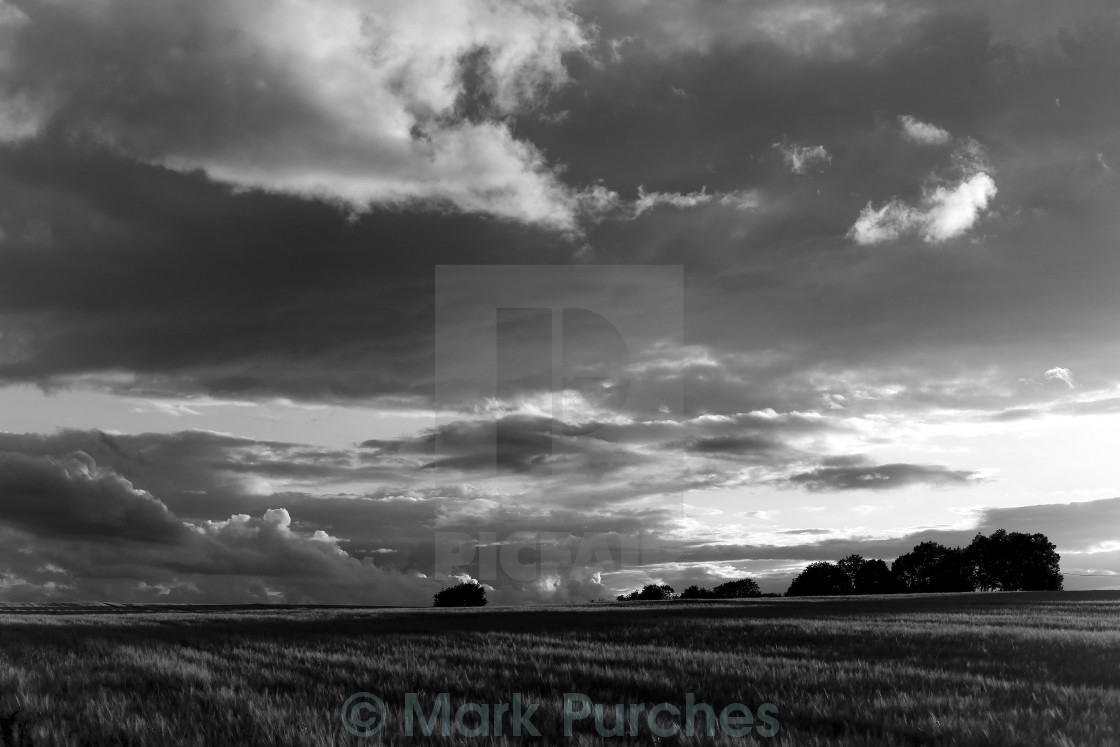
[{"x": 469, "y": 594}]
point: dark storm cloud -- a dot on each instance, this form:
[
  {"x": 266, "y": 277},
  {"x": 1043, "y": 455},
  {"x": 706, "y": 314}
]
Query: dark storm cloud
[
  {"x": 75, "y": 530},
  {"x": 1072, "y": 526},
  {"x": 71, "y": 498},
  {"x": 518, "y": 443},
  {"x": 199, "y": 460},
  {"x": 112, "y": 266},
  {"x": 193, "y": 289},
  {"x": 787, "y": 279},
  {"x": 733, "y": 445},
  {"x": 869, "y": 476},
  {"x": 204, "y": 476}
]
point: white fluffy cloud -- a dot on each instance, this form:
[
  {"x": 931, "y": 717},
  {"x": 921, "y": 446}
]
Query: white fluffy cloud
[
  {"x": 340, "y": 99},
  {"x": 801, "y": 158},
  {"x": 948, "y": 208},
  {"x": 921, "y": 132}
]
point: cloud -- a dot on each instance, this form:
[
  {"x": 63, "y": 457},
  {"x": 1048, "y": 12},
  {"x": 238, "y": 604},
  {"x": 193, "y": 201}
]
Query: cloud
[
  {"x": 880, "y": 477},
  {"x": 947, "y": 210},
  {"x": 647, "y": 201},
  {"x": 806, "y": 28},
  {"x": 922, "y": 133},
  {"x": 70, "y": 497},
  {"x": 1078, "y": 527},
  {"x": 735, "y": 444},
  {"x": 802, "y": 158},
  {"x": 396, "y": 104},
  {"x": 101, "y": 538},
  {"x": 1063, "y": 375}
]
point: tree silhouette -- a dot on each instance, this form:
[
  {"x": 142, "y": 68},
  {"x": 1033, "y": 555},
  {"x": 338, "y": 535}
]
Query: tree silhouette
[
  {"x": 820, "y": 579},
  {"x": 933, "y": 568},
  {"x": 695, "y": 592},
  {"x": 1013, "y": 561},
  {"x": 1005, "y": 561},
  {"x": 649, "y": 592},
  {"x": 469, "y": 594},
  {"x": 851, "y": 566},
  {"x": 741, "y": 589},
  {"x": 874, "y": 577}
]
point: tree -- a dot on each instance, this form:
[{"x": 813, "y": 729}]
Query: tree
[
  {"x": 469, "y": 594},
  {"x": 695, "y": 592},
  {"x": 983, "y": 557},
  {"x": 652, "y": 592},
  {"x": 820, "y": 579},
  {"x": 933, "y": 568},
  {"x": 874, "y": 577},
  {"x": 741, "y": 589},
  {"x": 1013, "y": 561},
  {"x": 850, "y": 566}
]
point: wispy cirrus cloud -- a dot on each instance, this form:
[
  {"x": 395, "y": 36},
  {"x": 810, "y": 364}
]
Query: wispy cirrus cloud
[
  {"x": 1064, "y": 375},
  {"x": 646, "y": 201}
]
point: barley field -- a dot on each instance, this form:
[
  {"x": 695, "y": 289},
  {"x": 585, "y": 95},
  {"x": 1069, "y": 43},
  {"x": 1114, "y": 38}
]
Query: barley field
[{"x": 968, "y": 669}]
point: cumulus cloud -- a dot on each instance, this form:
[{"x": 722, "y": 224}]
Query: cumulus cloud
[
  {"x": 99, "y": 537},
  {"x": 802, "y": 158},
  {"x": 947, "y": 210},
  {"x": 1063, "y": 375},
  {"x": 921, "y": 132},
  {"x": 401, "y": 102}
]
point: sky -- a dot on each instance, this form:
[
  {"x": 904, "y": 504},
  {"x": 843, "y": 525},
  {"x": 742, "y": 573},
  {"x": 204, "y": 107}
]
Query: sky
[{"x": 340, "y": 302}]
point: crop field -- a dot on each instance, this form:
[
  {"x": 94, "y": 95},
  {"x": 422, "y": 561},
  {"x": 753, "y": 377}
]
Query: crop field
[{"x": 969, "y": 669}]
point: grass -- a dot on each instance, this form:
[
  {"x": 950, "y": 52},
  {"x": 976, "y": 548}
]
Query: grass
[{"x": 970, "y": 669}]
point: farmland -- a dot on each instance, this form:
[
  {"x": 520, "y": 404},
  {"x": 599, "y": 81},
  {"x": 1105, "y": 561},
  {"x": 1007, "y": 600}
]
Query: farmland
[{"x": 968, "y": 669}]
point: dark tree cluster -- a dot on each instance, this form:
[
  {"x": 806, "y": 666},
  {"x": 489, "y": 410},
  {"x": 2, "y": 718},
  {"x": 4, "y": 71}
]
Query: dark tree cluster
[
  {"x": 1003, "y": 561},
  {"x": 649, "y": 592},
  {"x": 740, "y": 589},
  {"x": 469, "y": 594}
]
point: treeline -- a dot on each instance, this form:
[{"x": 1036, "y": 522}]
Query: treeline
[
  {"x": 740, "y": 589},
  {"x": 1002, "y": 561}
]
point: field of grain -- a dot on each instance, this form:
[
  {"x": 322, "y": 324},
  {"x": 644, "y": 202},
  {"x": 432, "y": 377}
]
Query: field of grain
[{"x": 971, "y": 669}]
